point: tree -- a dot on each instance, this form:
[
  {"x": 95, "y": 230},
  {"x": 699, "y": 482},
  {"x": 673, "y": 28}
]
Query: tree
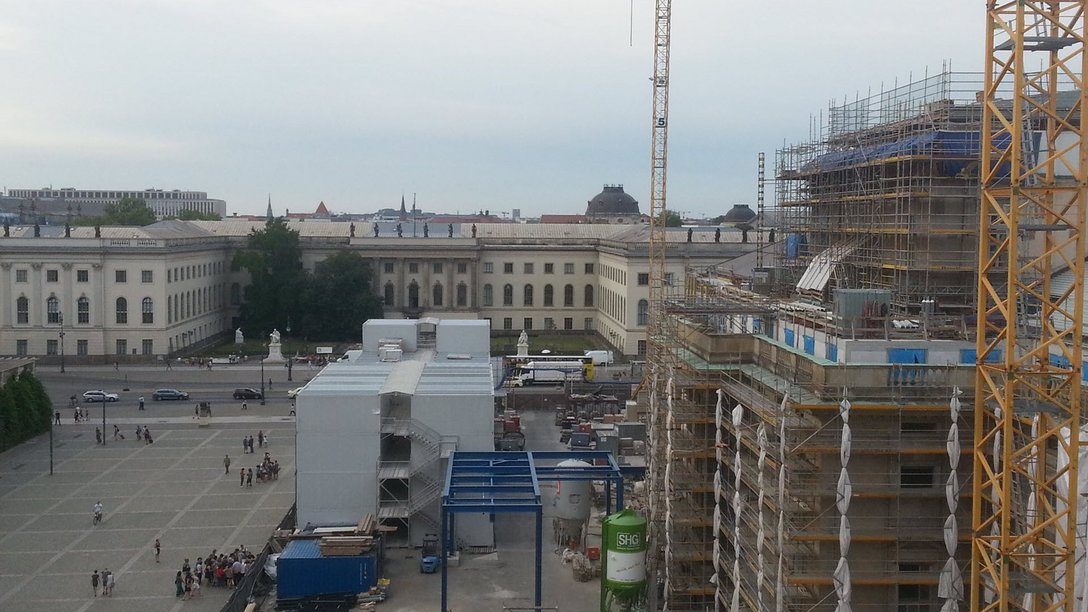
[
  {"x": 196, "y": 215},
  {"x": 673, "y": 219},
  {"x": 338, "y": 298},
  {"x": 126, "y": 211},
  {"x": 273, "y": 259}
]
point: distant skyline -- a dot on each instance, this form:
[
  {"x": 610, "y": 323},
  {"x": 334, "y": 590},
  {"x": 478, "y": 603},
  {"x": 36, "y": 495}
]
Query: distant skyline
[{"x": 469, "y": 104}]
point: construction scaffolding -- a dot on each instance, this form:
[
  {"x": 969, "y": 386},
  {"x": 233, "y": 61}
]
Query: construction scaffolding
[{"x": 885, "y": 196}]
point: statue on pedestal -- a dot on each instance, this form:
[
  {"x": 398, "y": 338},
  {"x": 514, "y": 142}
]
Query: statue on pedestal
[
  {"x": 274, "y": 337},
  {"x": 274, "y": 352},
  {"x": 239, "y": 338}
]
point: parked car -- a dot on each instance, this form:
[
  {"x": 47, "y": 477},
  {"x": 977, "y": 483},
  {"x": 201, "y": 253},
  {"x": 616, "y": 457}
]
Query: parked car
[
  {"x": 247, "y": 393},
  {"x": 99, "y": 395},
  {"x": 293, "y": 393},
  {"x": 169, "y": 394}
]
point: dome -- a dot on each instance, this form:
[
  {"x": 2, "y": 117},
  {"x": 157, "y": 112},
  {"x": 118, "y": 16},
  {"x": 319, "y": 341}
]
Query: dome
[
  {"x": 740, "y": 213},
  {"x": 612, "y": 201}
]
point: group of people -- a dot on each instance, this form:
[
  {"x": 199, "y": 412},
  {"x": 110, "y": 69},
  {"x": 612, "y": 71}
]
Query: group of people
[
  {"x": 247, "y": 442},
  {"x": 144, "y": 433},
  {"x": 267, "y": 470},
  {"x": 216, "y": 570},
  {"x": 103, "y": 581}
]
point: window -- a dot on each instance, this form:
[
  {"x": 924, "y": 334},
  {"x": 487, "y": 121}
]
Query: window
[
  {"x": 587, "y": 323},
  {"x": 122, "y": 347},
  {"x": 146, "y": 276},
  {"x": 388, "y": 267},
  {"x": 148, "y": 347},
  {"x": 643, "y": 279},
  {"x": 51, "y": 347},
  {"x": 120, "y": 276},
  {"x": 549, "y": 323},
  {"x": 549, "y": 295},
  {"x": 643, "y": 312},
  {"x": 508, "y": 323},
  {"x": 437, "y": 267},
  {"x": 489, "y": 296},
  {"x": 508, "y": 268},
  {"x": 916, "y": 476},
  {"x": 147, "y": 309},
  {"x": 436, "y": 295},
  {"x": 527, "y": 323},
  {"x": 589, "y": 296},
  {"x": 20, "y": 348},
  {"x": 389, "y": 294},
  {"x": 568, "y": 268},
  {"x": 83, "y": 276},
  {"x": 462, "y": 295},
  {"x": 22, "y": 309},
  {"x": 20, "y": 276},
  {"x": 122, "y": 311},
  {"x": 589, "y": 268},
  {"x": 549, "y": 268},
  {"x": 52, "y": 276},
  {"x": 413, "y": 268},
  {"x": 83, "y": 311},
  {"x": 52, "y": 310},
  {"x": 641, "y": 347},
  {"x": 413, "y": 295},
  {"x": 914, "y": 597},
  {"x": 568, "y": 323},
  {"x": 462, "y": 268},
  {"x": 508, "y": 295},
  {"x": 527, "y": 268},
  {"x": 489, "y": 267},
  {"x": 527, "y": 298},
  {"x": 568, "y": 295},
  {"x": 81, "y": 347}
]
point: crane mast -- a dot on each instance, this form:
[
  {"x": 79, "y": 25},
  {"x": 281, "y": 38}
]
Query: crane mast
[{"x": 1034, "y": 180}]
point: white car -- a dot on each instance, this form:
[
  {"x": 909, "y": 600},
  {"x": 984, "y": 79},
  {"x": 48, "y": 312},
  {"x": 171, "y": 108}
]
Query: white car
[
  {"x": 293, "y": 393},
  {"x": 100, "y": 396}
]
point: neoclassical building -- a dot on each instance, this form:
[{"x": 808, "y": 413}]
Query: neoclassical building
[{"x": 141, "y": 293}]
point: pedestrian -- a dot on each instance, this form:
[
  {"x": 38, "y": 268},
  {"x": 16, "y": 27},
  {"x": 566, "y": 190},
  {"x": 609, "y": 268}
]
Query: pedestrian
[
  {"x": 141, "y": 402},
  {"x": 158, "y": 549},
  {"x": 226, "y": 464},
  {"x": 198, "y": 569},
  {"x": 196, "y": 411},
  {"x": 116, "y": 366},
  {"x": 116, "y": 431},
  {"x": 98, "y": 435},
  {"x": 245, "y": 445},
  {"x": 56, "y": 417},
  {"x": 270, "y": 384},
  {"x": 249, "y": 478},
  {"x": 75, "y": 414},
  {"x": 244, "y": 407},
  {"x": 139, "y": 433},
  {"x": 106, "y": 578},
  {"x": 94, "y": 582},
  {"x": 260, "y": 438},
  {"x": 179, "y": 585},
  {"x": 242, "y": 478}
]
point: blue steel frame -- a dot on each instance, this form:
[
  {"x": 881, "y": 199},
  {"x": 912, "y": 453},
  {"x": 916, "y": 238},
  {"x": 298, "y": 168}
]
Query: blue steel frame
[{"x": 500, "y": 482}]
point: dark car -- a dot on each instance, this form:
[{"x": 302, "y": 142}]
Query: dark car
[
  {"x": 169, "y": 394},
  {"x": 247, "y": 394}
]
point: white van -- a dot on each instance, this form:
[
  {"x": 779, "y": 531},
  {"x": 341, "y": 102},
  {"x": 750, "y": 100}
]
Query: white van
[{"x": 600, "y": 357}]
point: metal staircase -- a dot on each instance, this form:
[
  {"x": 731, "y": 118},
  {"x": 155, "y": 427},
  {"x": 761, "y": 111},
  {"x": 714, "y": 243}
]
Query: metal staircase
[{"x": 422, "y": 471}]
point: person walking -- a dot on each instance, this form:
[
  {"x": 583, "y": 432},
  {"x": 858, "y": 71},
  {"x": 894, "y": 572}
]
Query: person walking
[
  {"x": 94, "y": 582},
  {"x": 107, "y": 582},
  {"x": 242, "y": 477},
  {"x": 244, "y": 406},
  {"x": 56, "y": 417},
  {"x": 226, "y": 464},
  {"x": 158, "y": 549},
  {"x": 141, "y": 402},
  {"x": 260, "y": 438},
  {"x": 117, "y": 433},
  {"x": 179, "y": 585},
  {"x": 245, "y": 445},
  {"x": 249, "y": 478},
  {"x": 98, "y": 435}
]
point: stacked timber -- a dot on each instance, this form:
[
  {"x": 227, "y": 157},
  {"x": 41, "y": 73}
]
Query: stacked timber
[
  {"x": 345, "y": 546},
  {"x": 366, "y": 525}
]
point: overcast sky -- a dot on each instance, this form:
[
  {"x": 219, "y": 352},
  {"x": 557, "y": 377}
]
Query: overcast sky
[{"x": 470, "y": 104}]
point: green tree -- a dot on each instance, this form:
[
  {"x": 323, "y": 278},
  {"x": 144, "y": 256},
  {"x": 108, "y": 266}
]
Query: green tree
[
  {"x": 196, "y": 215},
  {"x": 273, "y": 258},
  {"x": 126, "y": 211},
  {"x": 9, "y": 434},
  {"x": 338, "y": 298},
  {"x": 673, "y": 219}
]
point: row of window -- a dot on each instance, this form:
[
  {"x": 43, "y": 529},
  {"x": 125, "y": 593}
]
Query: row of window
[
  {"x": 52, "y": 347},
  {"x": 184, "y": 273},
  {"x": 528, "y": 297},
  {"x": 614, "y": 274},
  {"x": 413, "y": 267},
  {"x": 83, "y": 276},
  {"x": 194, "y": 303},
  {"x": 549, "y": 323},
  {"x": 437, "y": 295},
  {"x": 53, "y": 314},
  {"x": 529, "y": 267},
  {"x": 112, "y": 195}
]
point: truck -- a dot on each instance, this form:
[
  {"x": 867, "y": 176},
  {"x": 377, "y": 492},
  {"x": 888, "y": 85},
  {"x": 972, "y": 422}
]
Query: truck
[
  {"x": 601, "y": 357},
  {"x": 548, "y": 373}
]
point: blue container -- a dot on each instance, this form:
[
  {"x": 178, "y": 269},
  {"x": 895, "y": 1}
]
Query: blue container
[{"x": 303, "y": 572}]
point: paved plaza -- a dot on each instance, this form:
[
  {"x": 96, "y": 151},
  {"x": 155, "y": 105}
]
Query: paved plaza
[{"x": 174, "y": 489}]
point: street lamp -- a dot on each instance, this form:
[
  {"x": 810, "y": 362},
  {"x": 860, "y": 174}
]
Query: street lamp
[
  {"x": 60, "y": 317},
  {"x": 262, "y": 381},
  {"x": 290, "y": 359}
]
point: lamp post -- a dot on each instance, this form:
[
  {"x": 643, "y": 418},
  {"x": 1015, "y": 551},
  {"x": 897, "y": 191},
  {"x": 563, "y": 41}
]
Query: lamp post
[
  {"x": 262, "y": 381},
  {"x": 290, "y": 360},
  {"x": 60, "y": 316}
]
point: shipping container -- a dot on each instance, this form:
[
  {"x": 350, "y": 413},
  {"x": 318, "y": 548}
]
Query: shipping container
[{"x": 303, "y": 572}]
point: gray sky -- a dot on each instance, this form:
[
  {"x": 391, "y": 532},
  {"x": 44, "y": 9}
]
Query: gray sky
[{"x": 471, "y": 104}]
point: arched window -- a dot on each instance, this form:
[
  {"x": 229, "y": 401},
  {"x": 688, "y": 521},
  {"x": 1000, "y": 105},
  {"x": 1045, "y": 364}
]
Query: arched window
[
  {"x": 589, "y": 296},
  {"x": 528, "y": 295},
  {"x": 436, "y": 295},
  {"x": 122, "y": 311},
  {"x": 568, "y": 295},
  {"x": 462, "y": 295},
  {"x": 643, "y": 312},
  {"x": 235, "y": 294},
  {"x": 507, "y": 295},
  {"x": 489, "y": 296},
  {"x": 52, "y": 309},
  {"x": 549, "y": 295},
  {"x": 390, "y": 294},
  {"x": 147, "y": 309},
  {"x": 83, "y": 311},
  {"x": 413, "y": 295},
  {"x": 22, "y": 307}
]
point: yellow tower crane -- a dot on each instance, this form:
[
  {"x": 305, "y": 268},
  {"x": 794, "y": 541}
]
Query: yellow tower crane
[{"x": 1034, "y": 179}]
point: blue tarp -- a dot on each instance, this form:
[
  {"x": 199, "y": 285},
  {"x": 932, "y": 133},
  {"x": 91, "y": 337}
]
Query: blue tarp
[{"x": 954, "y": 151}]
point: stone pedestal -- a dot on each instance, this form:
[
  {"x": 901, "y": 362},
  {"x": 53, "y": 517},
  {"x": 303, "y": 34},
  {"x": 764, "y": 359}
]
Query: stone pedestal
[{"x": 274, "y": 354}]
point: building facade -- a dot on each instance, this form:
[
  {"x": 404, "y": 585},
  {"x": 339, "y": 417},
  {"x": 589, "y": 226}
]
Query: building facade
[{"x": 55, "y": 204}]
